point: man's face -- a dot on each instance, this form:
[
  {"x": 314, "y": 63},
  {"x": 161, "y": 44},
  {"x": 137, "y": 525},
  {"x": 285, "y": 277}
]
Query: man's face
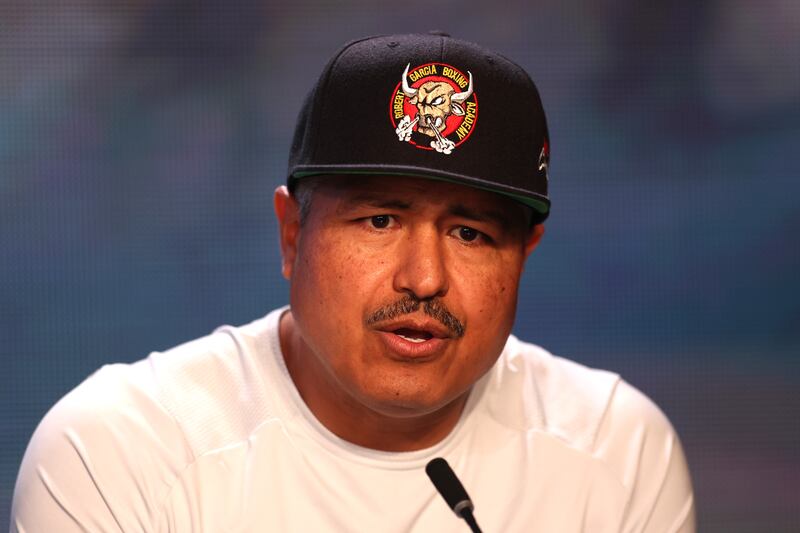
[{"x": 403, "y": 290}]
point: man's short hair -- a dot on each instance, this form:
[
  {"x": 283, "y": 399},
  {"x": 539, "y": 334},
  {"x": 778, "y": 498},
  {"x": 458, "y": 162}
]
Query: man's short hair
[{"x": 303, "y": 192}]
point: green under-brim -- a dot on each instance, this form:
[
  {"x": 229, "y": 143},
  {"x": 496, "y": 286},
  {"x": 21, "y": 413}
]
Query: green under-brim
[{"x": 541, "y": 207}]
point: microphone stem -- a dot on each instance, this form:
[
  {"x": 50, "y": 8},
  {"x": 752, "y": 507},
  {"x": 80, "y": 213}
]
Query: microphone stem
[{"x": 466, "y": 514}]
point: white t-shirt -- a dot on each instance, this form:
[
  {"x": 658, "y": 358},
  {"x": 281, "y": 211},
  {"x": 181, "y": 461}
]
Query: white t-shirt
[{"x": 213, "y": 436}]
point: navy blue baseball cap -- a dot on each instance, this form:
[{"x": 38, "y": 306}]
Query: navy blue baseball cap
[{"x": 427, "y": 106}]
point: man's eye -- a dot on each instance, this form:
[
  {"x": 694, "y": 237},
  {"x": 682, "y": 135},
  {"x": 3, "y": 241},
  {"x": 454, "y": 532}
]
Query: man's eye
[
  {"x": 380, "y": 221},
  {"x": 467, "y": 234}
]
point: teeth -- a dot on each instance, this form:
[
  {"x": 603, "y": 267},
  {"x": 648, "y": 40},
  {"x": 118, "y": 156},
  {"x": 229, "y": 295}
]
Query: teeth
[{"x": 412, "y": 339}]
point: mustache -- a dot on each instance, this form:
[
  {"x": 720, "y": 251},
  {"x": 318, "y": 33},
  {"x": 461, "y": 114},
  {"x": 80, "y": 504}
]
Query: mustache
[{"x": 434, "y": 308}]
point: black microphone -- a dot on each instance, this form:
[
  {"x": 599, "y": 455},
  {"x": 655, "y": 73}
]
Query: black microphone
[{"x": 451, "y": 489}]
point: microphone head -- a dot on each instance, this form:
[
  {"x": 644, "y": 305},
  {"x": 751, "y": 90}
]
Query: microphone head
[{"x": 448, "y": 485}]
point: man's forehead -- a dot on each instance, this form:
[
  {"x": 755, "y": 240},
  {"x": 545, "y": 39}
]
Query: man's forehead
[{"x": 409, "y": 188}]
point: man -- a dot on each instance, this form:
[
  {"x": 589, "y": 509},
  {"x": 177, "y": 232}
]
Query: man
[{"x": 417, "y": 189}]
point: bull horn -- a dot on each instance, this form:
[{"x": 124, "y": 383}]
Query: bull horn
[
  {"x": 460, "y": 97},
  {"x": 407, "y": 89}
]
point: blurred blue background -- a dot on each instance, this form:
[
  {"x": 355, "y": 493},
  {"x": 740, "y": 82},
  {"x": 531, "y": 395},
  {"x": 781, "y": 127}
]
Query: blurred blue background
[{"x": 140, "y": 143}]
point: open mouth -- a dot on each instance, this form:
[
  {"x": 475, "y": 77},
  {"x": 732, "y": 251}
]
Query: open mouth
[
  {"x": 413, "y": 335},
  {"x": 415, "y": 340}
]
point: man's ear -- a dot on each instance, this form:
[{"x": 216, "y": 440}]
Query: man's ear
[
  {"x": 533, "y": 238},
  {"x": 288, "y": 214}
]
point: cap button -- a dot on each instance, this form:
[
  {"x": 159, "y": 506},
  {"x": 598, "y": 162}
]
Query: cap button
[{"x": 439, "y": 33}]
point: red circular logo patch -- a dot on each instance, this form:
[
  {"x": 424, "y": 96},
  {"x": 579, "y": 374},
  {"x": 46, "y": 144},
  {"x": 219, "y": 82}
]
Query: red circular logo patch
[{"x": 434, "y": 107}]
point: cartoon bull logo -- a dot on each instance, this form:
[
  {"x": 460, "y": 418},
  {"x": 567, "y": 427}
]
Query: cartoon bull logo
[{"x": 425, "y": 109}]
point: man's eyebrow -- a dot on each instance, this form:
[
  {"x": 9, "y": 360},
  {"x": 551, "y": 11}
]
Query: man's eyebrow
[
  {"x": 375, "y": 200},
  {"x": 481, "y": 215},
  {"x": 370, "y": 199}
]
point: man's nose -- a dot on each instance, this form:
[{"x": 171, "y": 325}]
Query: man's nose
[{"x": 422, "y": 270}]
